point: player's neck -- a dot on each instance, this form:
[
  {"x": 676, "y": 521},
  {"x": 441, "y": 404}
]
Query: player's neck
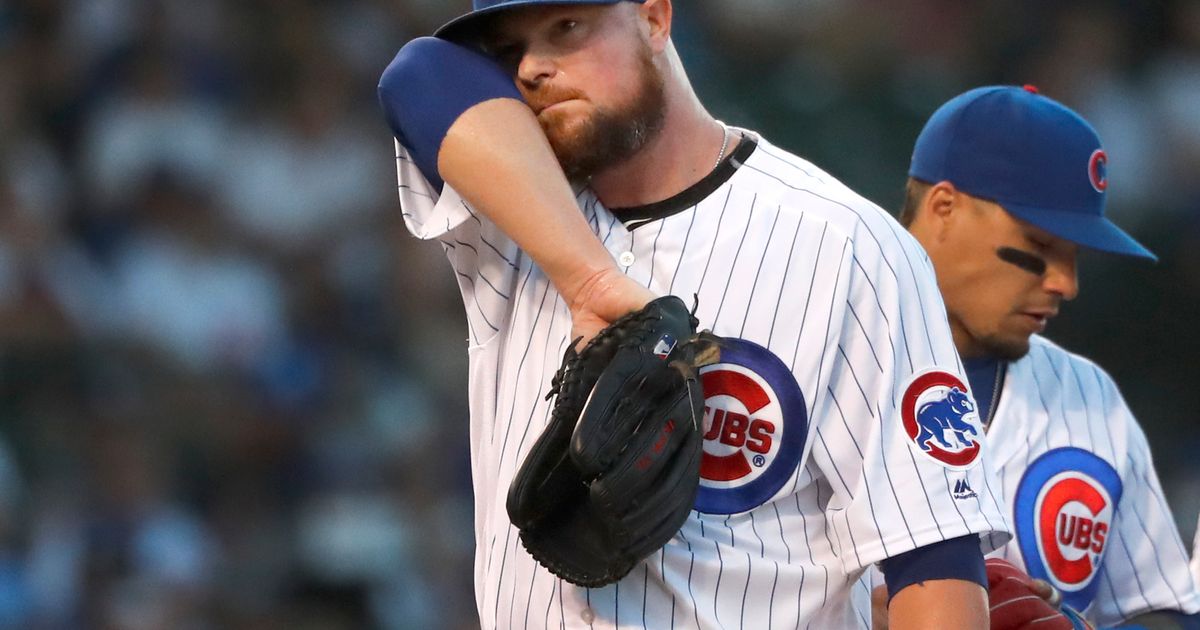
[{"x": 678, "y": 157}]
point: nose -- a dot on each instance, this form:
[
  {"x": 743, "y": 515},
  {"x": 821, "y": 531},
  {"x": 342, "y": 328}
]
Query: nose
[
  {"x": 1062, "y": 277},
  {"x": 534, "y": 68}
]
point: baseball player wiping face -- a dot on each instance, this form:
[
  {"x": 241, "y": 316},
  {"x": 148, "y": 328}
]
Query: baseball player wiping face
[
  {"x": 573, "y": 66},
  {"x": 840, "y": 434}
]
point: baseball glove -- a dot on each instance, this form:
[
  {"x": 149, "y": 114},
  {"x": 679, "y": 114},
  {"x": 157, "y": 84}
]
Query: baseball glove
[
  {"x": 615, "y": 473},
  {"x": 1016, "y": 604}
]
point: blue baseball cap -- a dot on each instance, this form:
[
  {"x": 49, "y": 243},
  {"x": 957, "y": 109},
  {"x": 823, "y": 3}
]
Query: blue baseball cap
[
  {"x": 464, "y": 25},
  {"x": 1040, "y": 161}
]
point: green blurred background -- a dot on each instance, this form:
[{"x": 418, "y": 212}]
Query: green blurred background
[{"x": 232, "y": 389}]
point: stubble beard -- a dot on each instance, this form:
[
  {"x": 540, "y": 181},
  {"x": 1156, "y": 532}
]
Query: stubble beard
[
  {"x": 1005, "y": 349},
  {"x": 610, "y": 135}
]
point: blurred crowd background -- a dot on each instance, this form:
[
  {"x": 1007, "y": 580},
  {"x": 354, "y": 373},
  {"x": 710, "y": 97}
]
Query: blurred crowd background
[{"x": 232, "y": 389}]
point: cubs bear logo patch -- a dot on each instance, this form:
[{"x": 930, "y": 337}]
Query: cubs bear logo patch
[{"x": 941, "y": 420}]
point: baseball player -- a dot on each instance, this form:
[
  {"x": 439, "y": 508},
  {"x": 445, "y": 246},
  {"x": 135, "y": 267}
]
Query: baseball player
[
  {"x": 1005, "y": 186},
  {"x": 838, "y": 428}
]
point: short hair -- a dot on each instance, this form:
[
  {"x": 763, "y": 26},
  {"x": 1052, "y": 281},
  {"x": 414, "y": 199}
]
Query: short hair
[{"x": 914, "y": 192}]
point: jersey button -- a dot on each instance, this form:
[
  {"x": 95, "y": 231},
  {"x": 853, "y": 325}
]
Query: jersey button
[
  {"x": 587, "y": 615},
  {"x": 626, "y": 259}
]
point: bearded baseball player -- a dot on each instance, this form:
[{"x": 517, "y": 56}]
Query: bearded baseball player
[
  {"x": 1006, "y": 185},
  {"x": 558, "y": 154}
]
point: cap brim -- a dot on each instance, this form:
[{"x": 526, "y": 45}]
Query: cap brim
[
  {"x": 1087, "y": 230},
  {"x": 466, "y": 27}
]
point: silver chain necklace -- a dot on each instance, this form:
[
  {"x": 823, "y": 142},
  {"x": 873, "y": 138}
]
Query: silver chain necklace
[
  {"x": 724, "y": 144},
  {"x": 1001, "y": 371}
]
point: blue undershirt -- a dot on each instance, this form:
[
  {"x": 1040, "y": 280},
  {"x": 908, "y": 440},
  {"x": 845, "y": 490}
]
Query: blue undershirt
[{"x": 981, "y": 374}]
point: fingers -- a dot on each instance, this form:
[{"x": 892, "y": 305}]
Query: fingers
[{"x": 1047, "y": 592}]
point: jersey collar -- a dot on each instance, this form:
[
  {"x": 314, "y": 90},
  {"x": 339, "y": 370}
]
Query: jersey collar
[{"x": 636, "y": 216}]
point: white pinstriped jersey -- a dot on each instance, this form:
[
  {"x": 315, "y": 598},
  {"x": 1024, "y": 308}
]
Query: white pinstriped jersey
[
  {"x": 1196, "y": 555},
  {"x": 1088, "y": 508},
  {"x": 838, "y": 430}
]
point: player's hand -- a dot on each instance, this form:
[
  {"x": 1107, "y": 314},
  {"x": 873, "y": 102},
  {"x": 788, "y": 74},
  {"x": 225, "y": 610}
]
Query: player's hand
[
  {"x": 1018, "y": 601},
  {"x": 1048, "y": 593},
  {"x": 601, "y": 299}
]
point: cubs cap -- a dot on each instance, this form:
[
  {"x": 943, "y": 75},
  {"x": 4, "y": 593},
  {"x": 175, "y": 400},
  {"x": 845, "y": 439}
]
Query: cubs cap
[
  {"x": 1039, "y": 160},
  {"x": 464, "y": 25}
]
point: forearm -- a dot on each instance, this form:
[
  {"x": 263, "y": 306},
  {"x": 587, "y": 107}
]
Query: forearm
[
  {"x": 497, "y": 158},
  {"x": 939, "y": 604},
  {"x": 465, "y": 124}
]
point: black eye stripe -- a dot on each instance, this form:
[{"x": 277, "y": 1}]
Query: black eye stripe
[{"x": 1032, "y": 263}]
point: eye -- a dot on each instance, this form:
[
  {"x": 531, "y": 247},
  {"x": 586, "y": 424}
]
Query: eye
[
  {"x": 1041, "y": 243},
  {"x": 570, "y": 31},
  {"x": 508, "y": 54}
]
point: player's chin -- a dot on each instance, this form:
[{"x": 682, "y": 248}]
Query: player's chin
[
  {"x": 563, "y": 119},
  {"x": 564, "y": 134},
  {"x": 576, "y": 151},
  {"x": 1008, "y": 345}
]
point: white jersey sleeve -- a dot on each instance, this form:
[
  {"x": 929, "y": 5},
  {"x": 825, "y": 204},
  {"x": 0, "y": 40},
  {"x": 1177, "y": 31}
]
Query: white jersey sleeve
[
  {"x": 484, "y": 259},
  {"x": 898, "y": 440},
  {"x": 427, "y": 212}
]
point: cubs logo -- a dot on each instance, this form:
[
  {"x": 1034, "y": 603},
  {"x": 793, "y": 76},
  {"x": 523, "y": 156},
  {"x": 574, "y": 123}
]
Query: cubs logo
[
  {"x": 940, "y": 419},
  {"x": 1064, "y": 510},
  {"x": 755, "y": 423},
  {"x": 1098, "y": 170}
]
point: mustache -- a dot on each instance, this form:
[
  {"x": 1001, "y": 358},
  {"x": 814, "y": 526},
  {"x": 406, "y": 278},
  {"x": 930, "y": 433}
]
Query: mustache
[{"x": 543, "y": 97}]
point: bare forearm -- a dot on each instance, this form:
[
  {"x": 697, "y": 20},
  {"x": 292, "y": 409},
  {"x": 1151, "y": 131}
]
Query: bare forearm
[
  {"x": 497, "y": 158},
  {"x": 939, "y": 604}
]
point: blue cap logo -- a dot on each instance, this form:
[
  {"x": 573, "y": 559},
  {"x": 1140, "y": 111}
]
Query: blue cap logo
[{"x": 1098, "y": 170}]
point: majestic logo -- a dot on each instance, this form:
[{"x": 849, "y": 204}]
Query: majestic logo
[
  {"x": 755, "y": 424},
  {"x": 1064, "y": 510},
  {"x": 1098, "y": 170},
  {"x": 962, "y": 490},
  {"x": 940, "y": 419}
]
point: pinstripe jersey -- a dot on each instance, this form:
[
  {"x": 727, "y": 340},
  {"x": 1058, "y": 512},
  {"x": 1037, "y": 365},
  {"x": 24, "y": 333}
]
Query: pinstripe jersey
[
  {"x": 1196, "y": 555},
  {"x": 1088, "y": 508},
  {"x": 840, "y": 359}
]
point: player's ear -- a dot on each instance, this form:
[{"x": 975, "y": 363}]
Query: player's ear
[
  {"x": 940, "y": 208},
  {"x": 656, "y": 16}
]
